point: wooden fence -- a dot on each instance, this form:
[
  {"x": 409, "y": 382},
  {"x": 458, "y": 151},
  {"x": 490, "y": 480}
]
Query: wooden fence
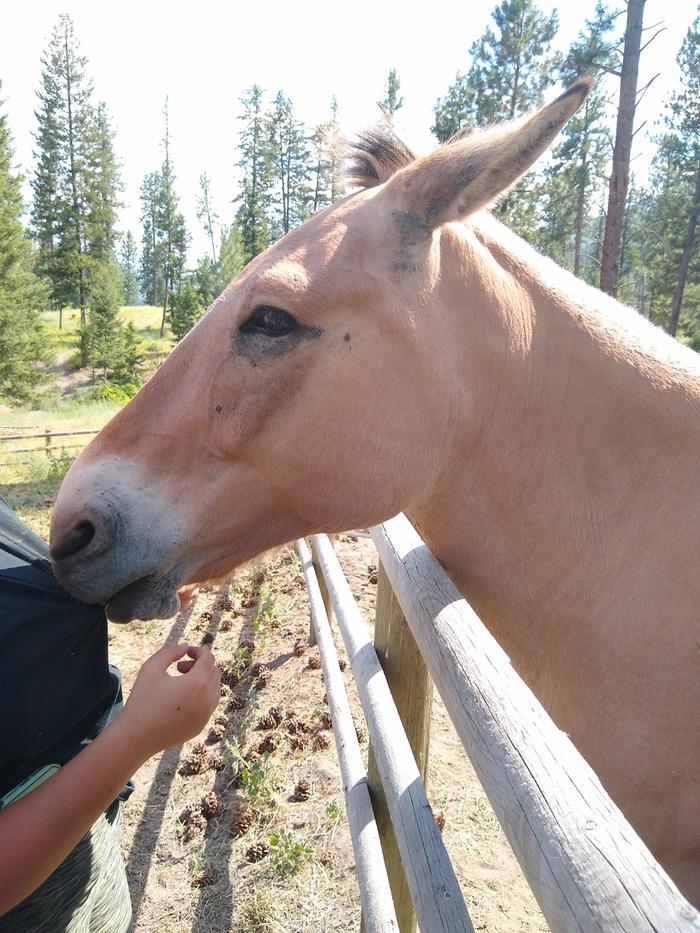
[
  {"x": 47, "y": 448},
  {"x": 586, "y": 866}
]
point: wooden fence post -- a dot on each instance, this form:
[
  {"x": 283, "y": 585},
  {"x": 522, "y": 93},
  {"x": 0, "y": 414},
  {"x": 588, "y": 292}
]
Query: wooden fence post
[
  {"x": 47, "y": 432},
  {"x": 328, "y": 605},
  {"x": 412, "y": 690}
]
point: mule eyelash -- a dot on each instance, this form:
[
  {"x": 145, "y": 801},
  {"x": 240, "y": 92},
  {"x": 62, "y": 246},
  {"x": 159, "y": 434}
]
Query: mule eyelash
[{"x": 269, "y": 321}]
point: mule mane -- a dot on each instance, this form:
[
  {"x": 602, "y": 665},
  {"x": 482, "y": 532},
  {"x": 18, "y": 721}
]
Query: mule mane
[{"x": 375, "y": 156}]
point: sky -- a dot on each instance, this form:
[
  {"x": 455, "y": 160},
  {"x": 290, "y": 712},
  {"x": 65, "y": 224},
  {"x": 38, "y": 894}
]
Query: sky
[{"x": 205, "y": 55}]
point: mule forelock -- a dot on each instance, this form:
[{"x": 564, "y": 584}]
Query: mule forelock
[{"x": 375, "y": 156}]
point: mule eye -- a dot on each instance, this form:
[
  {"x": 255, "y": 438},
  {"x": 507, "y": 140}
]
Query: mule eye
[{"x": 270, "y": 322}]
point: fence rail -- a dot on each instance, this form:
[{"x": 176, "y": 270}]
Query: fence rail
[
  {"x": 587, "y": 867},
  {"x": 48, "y": 447}
]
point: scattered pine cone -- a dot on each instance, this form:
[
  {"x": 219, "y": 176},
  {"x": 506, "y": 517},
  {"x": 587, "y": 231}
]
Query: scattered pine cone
[
  {"x": 236, "y": 702},
  {"x": 225, "y": 625},
  {"x": 216, "y": 733},
  {"x": 205, "y": 616},
  {"x": 299, "y": 648},
  {"x": 208, "y": 638},
  {"x": 229, "y": 673},
  {"x": 249, "y": 602},
  {"x": 205, "y": 879},
  {"x": 195, "y": 761},
  {"x": 296, "y": 726},
  {"x": 277, "y": 714},
  {"x": 217, "y": 762},
  {"x": 225, "y": 690},
  {"x": 314, "y": 662},
  {"x": 222, "y": 720},
  {"x": 440, "y": 819},
  {"x": 242, "y": 820},
  {"x": 263, "y": 674},
  {"x": 326, "y": 721},
  {"x": 223, "y": 604},
  {"x": 187, "y": 811},
  {"x": 342, "y": 664},
  {"x": 266, "y": 722},
  {"x": 300, "y": 743},
  {"x": 247, "y": 645},
  {"x": 195, "y": 825},
  {"x": 269, "y": 743},
  {"x": 259, "y": 577},
  {"x": 302, "y": 791},
  {"x": 258, "y": 850},
  {"x": 373, "y": 574},
  {"x": 210, "y": 805},
  {"x": 321, "y": 742},
  {"x": 361, "y": 734}
]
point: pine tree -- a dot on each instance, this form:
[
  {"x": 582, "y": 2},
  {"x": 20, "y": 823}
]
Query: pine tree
[
  {"x": 579, "y": 159},
  {"x": 187, "y": 308},
  {"x": 231, "y": 256},
  {"x": 254, "y": 197},
  {"x": 21, "y": 339},
  {"x": 392, "y": 102},
  {"x": 151, "y": 270},
  {"x": 102, "y": 183},
  {"x": 289, "y": 167},
  {"x": 206, "y": 213},
  {"x": 105, "y": 343},
  {"x": 326, "y": 162},
  {"x": 170, "y": 225},
  {"x": 128, "y": 264},
  {"x": 509, "y": 72},
  {"x": 684, "y": 124}
]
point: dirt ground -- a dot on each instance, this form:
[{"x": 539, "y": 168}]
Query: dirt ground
[{"x": 192, "y": 873}]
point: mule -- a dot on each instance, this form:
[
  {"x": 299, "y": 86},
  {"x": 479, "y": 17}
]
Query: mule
[{"x": 403, "y": 350}]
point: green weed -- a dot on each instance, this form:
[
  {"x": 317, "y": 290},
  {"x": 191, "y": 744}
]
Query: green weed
[{"x": 288, "y": 855}]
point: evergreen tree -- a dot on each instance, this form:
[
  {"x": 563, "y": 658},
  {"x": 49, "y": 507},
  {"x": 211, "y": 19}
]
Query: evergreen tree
[
  {"x": 21, "y": 340},
  {"x": 392, "y": 102},
  {"x": 578, "y": 160},
  {"x": 128, "y": 264},
  {"x": 187, "y": 308},
  {"x": 76, "y": 181},
  {"x": 151, "y": 269},
  {"x": 171, "y": 227},
  {"x": 510, "y": 70},
  {"x": 289, "y": 167},
  {"x": 106, "y": 344},
  {"x": 206, "y": 213},
  {"x": 231, "y": 257},
  {"x": 326, "y": 162},
  {"x": 206, "y": 280},
  {"x": 254, "y": 198}
]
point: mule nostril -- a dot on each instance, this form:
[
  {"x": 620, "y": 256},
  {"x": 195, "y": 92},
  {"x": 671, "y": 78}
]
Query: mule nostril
[{"x": 76, "y": 540}]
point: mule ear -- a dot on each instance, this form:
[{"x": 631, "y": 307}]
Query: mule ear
[{"x": 461, "y": 177}]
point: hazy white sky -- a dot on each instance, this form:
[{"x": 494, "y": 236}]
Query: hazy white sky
[{"x": 205, "y": 55}]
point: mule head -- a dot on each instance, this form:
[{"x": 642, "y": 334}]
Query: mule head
[{"x": 317, "y": 393}]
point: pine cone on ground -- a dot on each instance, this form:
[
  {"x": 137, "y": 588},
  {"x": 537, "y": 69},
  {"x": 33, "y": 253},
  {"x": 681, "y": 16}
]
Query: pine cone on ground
[
  {"x": 342, "y": 664},
  {"x": 277, "y": 714},
  {"x": 361, "y": 734},
  {"x": 296, "y": 726},
  {"x": 314, "y": 662},
  {"x": 225, "y": 690},
  {"x": 258, "y": 850},
  {"x": 187, "y": 811},
  {"x": 302, "y": 791},
  {"x": 326, "y": 721},
  {"x": 216, "y": 733},
  {"x": 269, "y": 743},
  {"x": 249, "y": 602},
  {"x": 225, "y": 625},
  {"x": 194, "y": 826},
  {"x": 259, "y": 577},
  {"x": 266, "y": 722},
  {"x": 372, "y": 573},
  {"x": 299, "y": 743},
  {"x": 439, "y": 819},
  {"x": 217, "y": 762},
  {"x": 195, "y": 761},
  {"x": 300, "y": 648},
  {"x": 223, "y": 604},
  {"x": 321, "y": 742},
  {"x": 208, "y": 638},
  {"x": 222, "y": 720},
  {"x": 235, "y": 703},
  {"x": 205, "y": 616},
  {"x": 229, "y": 673},
  {"x": 204, "y": 879},
  {"x": 263, "y": 675},
  {"x": 210, "y": 805},
  {"x": 247, "y": 645},
  {"x": 242, "y": 820}
]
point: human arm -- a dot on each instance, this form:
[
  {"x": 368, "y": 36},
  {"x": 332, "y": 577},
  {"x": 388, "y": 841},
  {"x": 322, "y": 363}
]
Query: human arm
[{"x": 38, "y": 831}]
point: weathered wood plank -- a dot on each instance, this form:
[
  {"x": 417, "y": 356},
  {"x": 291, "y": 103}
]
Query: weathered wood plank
[
  {"x": 436, "y": 895},
  {"x": 375, "y": 894},
  {"x": 412, "y": 690},
  {"x": 587, "y": 867}
]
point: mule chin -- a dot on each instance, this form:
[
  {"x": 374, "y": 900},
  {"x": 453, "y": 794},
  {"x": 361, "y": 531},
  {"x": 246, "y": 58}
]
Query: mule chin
[{"x": 147, "y": 598}]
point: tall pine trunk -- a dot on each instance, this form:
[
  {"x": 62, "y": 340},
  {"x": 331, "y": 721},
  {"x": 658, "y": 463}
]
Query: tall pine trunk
[
  {"x": 677, "y": 301},
  {"x": 578, "y": 230},
  {"x": 619, "y": 180},
  {"x": 82, "y": 284}
]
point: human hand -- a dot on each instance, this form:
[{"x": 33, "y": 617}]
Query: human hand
[{"x": 165, "y": 709}]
